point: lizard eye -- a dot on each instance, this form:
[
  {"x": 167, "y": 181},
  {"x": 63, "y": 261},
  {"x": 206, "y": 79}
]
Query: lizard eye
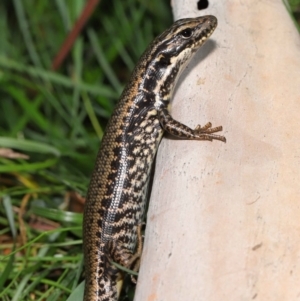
[{"x": 186, "y": 33}]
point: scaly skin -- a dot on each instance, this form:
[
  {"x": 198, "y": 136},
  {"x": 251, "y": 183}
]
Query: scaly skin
[{"x": 117, "y": 193}]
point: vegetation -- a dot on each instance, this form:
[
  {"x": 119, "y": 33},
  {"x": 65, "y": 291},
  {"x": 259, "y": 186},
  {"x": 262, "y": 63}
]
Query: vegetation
[{"x": 51, "y": 125}]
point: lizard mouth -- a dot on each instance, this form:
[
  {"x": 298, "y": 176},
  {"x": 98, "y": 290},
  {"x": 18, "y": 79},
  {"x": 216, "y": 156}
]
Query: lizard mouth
[{"x": 205, "y": 29}]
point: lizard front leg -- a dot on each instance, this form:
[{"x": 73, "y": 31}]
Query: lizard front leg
[{"x": 180, "y": 130}]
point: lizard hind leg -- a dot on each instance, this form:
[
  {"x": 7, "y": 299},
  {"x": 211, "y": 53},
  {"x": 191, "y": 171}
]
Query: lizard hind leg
[
  {"x": 124, "y": 257},
  {"x": 136, "y": 259}
]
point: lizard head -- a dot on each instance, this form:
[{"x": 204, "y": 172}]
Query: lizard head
[
  {"x": 184, "y": 38},
  {"x": 170, "y": 52}
]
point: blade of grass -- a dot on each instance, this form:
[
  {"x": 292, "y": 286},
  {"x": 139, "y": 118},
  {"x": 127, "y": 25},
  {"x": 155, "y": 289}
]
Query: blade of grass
[
  {"x": 104, "y": 64},
  {"x": 10, "y": 217},
  {"x": 92, "y": 115},
  {"x": 30, "y": 146},
  {"x": 77, "y": 294},
  {"x": 26, "y": 104},
  {"x": 24, "y": 27},
  {"x": 57, "y": 78},
  {"x": 29, "y": 167},
  {"x": 117, "y": 44},
  {"x": 58, "y": 215},
  {"x": 20, "y": 288},
  {"x": 77, "y": 55},
  {"x": 46, "y": 233},
  {"x": 64, "y": 13},
  {"x": 21, "y": 122}
]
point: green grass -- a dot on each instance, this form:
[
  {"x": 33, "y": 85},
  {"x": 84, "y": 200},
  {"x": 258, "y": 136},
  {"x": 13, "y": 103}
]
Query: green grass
[
  {"x": 294, "y": 9},
  {"x": 57, "y": 119}
]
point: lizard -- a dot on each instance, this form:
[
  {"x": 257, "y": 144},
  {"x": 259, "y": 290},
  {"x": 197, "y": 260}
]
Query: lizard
[{"x": 116, "y": 197}]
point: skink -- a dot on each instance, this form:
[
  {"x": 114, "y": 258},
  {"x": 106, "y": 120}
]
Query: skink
[{"x": 116, "y": 196}]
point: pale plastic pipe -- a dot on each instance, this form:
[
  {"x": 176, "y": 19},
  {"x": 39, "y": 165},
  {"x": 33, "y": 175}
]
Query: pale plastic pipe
[{"x": 224, "y": 219}]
